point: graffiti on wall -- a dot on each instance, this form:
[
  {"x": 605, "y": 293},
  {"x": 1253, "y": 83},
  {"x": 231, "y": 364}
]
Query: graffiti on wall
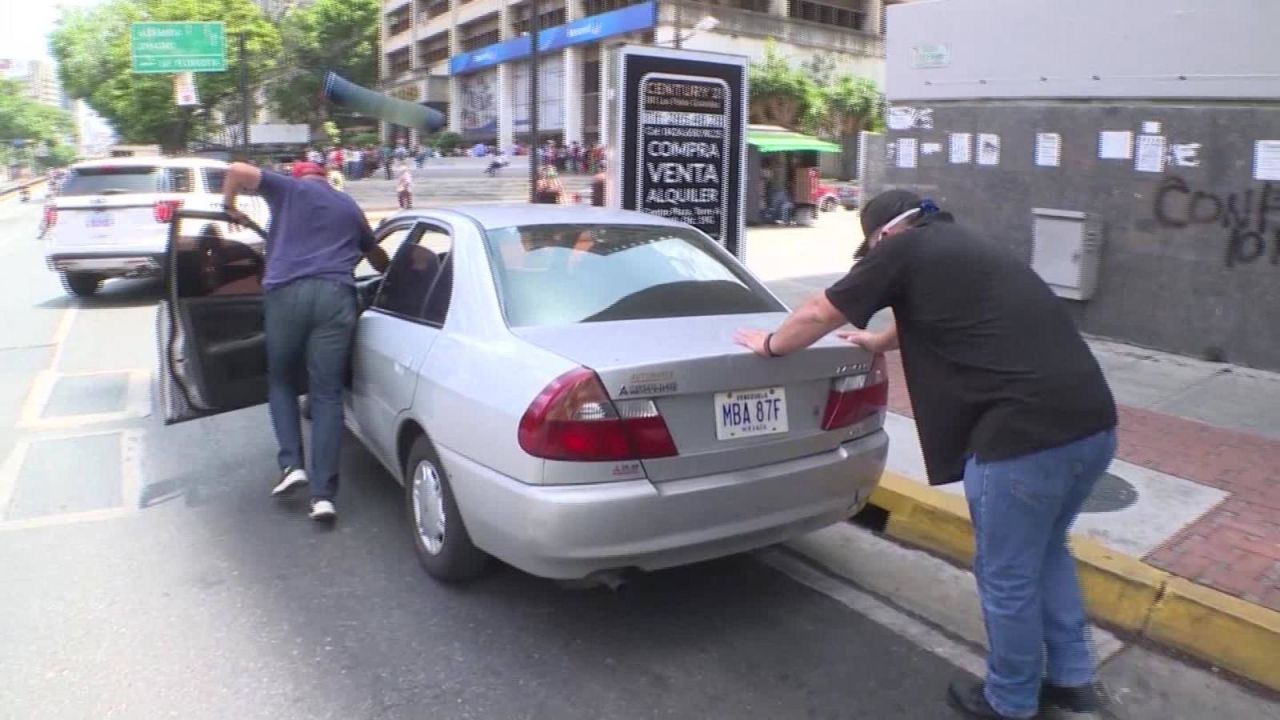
[{"x": 1251, "y": 218}]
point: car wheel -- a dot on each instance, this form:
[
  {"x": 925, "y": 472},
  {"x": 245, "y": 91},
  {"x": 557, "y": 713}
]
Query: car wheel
[
  {"x": 81, "y": 284},
  {"x": 828, "y": 205},
  {"x": 441, "y": 541}
]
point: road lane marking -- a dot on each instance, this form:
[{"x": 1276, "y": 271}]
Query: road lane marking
[
  {"x": 9, "y": 474},
  {"x": 137, "y": 401},
  {"x": 45, "y": 521},
  {"x": 131, "y": 454},
  {"x": 131, "y": 481},
  {"x": 60, "y": 335},
  {"x": 918, "y": 632}
]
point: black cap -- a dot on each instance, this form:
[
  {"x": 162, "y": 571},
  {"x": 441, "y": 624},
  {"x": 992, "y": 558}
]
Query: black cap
[
  {"x": 885, "y": 207},
  {"x": 880, "y": 210}
]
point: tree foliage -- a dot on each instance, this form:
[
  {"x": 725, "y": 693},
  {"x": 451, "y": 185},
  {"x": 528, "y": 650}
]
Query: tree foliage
[
  {"x": 328, "y": 35},
  {"x": 26, "y": 124},
  {"x": 812, "y": 97},
  {"x": 22, "y": 118},
  {"x": 782, "y": 94},
  {"x": 91, "y": 46}
]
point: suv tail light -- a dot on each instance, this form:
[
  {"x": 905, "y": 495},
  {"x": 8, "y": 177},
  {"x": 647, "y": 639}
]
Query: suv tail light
[
  {"x": 163, "y": 210},
  {"x": 854, "y": 398},
  {"x": 50, "y": 216},
  {"x": 574, "y": 419}
]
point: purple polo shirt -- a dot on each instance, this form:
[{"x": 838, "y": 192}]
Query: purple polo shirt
[{"x": 315, "y": 231}]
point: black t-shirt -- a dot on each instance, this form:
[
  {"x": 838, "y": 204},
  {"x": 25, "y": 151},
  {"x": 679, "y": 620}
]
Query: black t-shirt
[{"x": 995, "y": 366}]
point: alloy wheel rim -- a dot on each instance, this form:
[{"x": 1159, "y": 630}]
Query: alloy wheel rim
[{"x": 428, "y": 507}]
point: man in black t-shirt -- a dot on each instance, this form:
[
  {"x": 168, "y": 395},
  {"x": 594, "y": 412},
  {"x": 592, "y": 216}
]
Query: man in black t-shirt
[{"x": 1008, "y": 398}]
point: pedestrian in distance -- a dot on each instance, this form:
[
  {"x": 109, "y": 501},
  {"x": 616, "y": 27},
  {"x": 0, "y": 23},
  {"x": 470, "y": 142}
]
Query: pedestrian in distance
[
  {"x": 385, "y": 157},
  {"x": 1008, "y": 399},
  {"x": 404, "y": 187},
  {"x": 548, "y": 190},
  {"x": 316, "y": 237}
]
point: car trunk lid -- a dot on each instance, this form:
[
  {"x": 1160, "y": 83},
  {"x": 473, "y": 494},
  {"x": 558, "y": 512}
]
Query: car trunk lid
[{"x": 695, "y": 374}]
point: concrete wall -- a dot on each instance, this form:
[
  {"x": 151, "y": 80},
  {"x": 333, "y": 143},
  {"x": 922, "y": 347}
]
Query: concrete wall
[
  {"x": 1191, "y": 254},
  {"x": 1082, "y": 49}
]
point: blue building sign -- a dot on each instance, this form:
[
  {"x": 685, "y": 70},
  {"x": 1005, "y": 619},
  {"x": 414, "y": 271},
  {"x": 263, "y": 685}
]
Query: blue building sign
[
  {"x": 587, "y": 30},
  {"x": 489, "y": 56}
]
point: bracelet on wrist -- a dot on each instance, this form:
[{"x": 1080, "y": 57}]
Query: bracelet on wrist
[{"x": 768, "y": 346}]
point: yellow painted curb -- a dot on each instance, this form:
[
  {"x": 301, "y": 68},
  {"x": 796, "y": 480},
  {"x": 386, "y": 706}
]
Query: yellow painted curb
[
  {"x": 1120, "y": 591},
  {"x": 926, "y": 517},
  {"x": 1233, "y": 634}
]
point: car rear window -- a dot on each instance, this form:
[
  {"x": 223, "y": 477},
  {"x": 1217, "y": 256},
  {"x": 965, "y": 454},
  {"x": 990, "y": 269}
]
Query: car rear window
[
  {"x": 126, "y": 180},
  {"x": 565, "y": 274}
]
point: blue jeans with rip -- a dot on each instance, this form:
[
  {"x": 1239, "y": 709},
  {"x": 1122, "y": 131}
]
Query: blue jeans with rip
[
  {"x": 310, "y": 326},
  {"x": 1022, "y": 510}
]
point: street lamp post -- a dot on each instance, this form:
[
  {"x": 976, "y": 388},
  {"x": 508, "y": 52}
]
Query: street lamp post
[
  {"x": 533, "y": 102},
  {"x": 679, "y": 23}
]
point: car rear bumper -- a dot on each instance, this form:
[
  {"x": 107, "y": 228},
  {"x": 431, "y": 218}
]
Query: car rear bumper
[
  {"x": 573, "y": 531},
  {"x": 108, "y": 265}
]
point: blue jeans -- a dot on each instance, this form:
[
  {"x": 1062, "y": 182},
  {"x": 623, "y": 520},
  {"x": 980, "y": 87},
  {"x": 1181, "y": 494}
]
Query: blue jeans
[
  {"x": 1022, "y": 509},
  {"x": 310, "y": 325}
]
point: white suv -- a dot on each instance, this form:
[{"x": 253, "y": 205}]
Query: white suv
[{"x": 110, "y": 217}]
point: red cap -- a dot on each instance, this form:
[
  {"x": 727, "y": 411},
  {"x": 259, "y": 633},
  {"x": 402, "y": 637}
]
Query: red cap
[{"x": 303, "y": 169}]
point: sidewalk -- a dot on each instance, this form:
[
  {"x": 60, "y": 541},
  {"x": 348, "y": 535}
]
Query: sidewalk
[{"x": 1195, "y": 489}]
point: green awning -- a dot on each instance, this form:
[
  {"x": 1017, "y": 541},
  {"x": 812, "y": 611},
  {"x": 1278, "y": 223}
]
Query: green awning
[{"x": 771, "y": 141}]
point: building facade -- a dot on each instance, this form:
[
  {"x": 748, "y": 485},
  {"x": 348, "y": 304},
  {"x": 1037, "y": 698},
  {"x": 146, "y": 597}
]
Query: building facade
[
  {"x": 470, "y": 58},
  {"x": 1131, "y": 155}
]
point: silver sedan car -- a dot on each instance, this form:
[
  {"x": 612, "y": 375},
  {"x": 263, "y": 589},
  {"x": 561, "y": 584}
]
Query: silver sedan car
[{"x": 557, "y": 388}]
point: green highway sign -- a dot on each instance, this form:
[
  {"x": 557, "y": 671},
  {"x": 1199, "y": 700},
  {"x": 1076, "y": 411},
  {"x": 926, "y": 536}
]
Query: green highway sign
[{"x": 173, "y": 47}]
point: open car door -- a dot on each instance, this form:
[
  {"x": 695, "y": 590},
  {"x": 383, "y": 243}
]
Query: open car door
[{"x": 209, "y": 327}]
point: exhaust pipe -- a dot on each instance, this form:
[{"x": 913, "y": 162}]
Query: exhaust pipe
[{"x": 612, "y": 579}]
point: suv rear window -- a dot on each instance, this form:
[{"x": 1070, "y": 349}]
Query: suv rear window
[
  {"x": 564, "y": 274},
  {"x": 126, "y": 180}
]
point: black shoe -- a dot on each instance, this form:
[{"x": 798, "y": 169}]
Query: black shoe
[
  {"x": 968, "y": 697},
  {"x": 1079, "y": 699}
]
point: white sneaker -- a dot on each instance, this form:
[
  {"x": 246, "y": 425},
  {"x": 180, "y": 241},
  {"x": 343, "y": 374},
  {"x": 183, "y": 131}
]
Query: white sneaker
[
  {"x": 291, "y": 478},
  {"x": 323, "y": 510}
]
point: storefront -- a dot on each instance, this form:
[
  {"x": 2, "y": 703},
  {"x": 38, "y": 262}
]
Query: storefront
[
  {"x": 782, "y": 166},
  {"x": 492, "y": 82}
]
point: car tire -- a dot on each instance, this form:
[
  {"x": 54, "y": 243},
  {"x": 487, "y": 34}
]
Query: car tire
[
  {"x": 81, "y": 284},
  {"x": 440, "y": 539},
  {"x": 829, "y": 205}
]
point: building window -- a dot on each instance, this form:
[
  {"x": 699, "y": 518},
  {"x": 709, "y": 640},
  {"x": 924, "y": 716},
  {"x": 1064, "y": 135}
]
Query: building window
[
  {"x": 760, "y": 6},
  {"x": 828, "y": 14},
  {"x": 481, "y": 40},
  {"x": 399, "y": 62},
  {"x": 595, "y": 7},
  {"x": 551, "y": 18},
  {"x": 399, "y": 21}
]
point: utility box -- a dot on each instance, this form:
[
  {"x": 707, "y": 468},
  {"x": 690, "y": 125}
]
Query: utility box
[{"x": 1066, "y": 249}]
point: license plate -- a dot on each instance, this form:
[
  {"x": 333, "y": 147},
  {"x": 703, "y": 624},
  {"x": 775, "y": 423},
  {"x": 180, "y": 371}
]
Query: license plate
[
  {"x": 747, "y": 413},
  {"x": 99, "y": 219}
]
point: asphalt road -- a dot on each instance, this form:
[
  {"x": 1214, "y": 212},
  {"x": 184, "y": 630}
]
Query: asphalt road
[{"x": 145, "y": 573}]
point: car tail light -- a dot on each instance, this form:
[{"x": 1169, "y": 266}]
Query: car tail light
[
  {"x": 574, "y": 419},
  {"x": 854, "y": 398},
  {"x": 164, "y": 210},
  {"x": 50, "y": 216}
]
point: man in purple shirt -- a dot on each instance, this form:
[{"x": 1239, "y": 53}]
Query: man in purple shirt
[{"x": 316, "y": 237}]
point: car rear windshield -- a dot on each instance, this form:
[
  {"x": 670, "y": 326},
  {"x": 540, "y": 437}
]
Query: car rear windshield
[
  {"x": 123, "y": 180},
  {"x": 565, "y": 274}
]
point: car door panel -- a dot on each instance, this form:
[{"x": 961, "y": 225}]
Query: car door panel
[
  {"x": 392, "y": 338},
  {"x": 210, "y": 330}
]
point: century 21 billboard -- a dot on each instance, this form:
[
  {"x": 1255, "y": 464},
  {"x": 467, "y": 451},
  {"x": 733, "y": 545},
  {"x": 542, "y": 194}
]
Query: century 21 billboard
[{"x": 682, "y": 130}]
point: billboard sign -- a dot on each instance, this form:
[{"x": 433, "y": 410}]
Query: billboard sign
[{"x": 681, "y": 143}]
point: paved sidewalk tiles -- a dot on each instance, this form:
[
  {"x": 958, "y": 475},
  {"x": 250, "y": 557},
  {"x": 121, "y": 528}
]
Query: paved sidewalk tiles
[{"x": 1234, "y": 546}]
